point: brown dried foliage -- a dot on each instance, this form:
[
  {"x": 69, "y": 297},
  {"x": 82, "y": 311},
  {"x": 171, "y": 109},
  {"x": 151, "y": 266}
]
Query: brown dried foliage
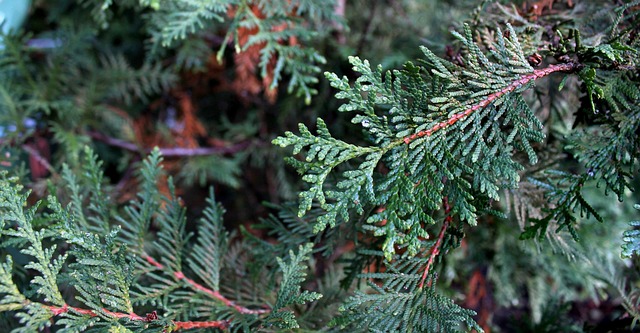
[{"x": 538, "y": 8}]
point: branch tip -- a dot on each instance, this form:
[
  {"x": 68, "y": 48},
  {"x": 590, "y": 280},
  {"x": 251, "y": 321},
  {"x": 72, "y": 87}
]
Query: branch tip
[{"x": 536, "y": 74}]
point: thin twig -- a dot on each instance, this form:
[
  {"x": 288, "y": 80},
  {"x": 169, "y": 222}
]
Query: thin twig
[
  {"x": 368, "y": 27},
  {"x": 38, "y": 157},
  {"x": 176, "y": 325},
  {"x": 339, "y": 10},
  {"x": 58, "y": 310},
  {"x": 116, "y": 142},
  {"x": 173, "y": 151},
  {"x": 435, "y": 249}
]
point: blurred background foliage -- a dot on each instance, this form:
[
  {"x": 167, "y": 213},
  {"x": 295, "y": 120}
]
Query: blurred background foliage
[
  {"x": 96, "y": 72},
  {"x": 114, "y": 76}
]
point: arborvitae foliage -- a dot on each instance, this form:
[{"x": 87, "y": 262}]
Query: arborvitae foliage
[
  {"x": 92, "y": 274},
  {"x": 274, "y": 26},
  {"x": 452, "y": 134},
  {"x": 480, "y": 176},
  {"x": 401, "y": 303},
  {"x": 631, "y": 244}
]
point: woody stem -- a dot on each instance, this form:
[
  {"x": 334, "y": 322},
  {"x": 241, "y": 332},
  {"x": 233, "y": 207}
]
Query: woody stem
[
  {"x": 538, "y": 73},
  {"x": 435, "y": 249}
]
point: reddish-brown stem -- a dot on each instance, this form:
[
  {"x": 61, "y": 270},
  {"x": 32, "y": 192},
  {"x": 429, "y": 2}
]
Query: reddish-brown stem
[
  {"x": 57, "y": 310},
  {"x": 213, "y": 293},
  {"x": 153, "y": 262},
  {"x": 177, "y": 325},
  {"x": 538, "y": 73},
  {"x": 216, "y": 294},
  {"x": 435, "y": 249},
  {"x": 187, "y": 325}
]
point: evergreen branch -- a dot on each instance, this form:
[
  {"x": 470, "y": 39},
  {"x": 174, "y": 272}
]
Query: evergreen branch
[
  {"x": 396, "y": 110},
  {"x": 216, "y": 294},
  {"x": 141, "y": 212},
  {"x": 274, "y": 30},
  {"x": 188, "y": 16},
  {"x": 206, "y": 258},
  {"x": 464, "y": 118},
  {"x": 394, "y": 303},
  {"x": 11, "y": 210},
  {"x": 631, "y": 238},
  {"x": 99, "y": 199},
  {"x": 102, "y": 272},
  {"x": 198, "y": 287},
  {"x": 609, "y": 151},
  {"x": 565, "y": 194},
  {"x": 93, "y": 178},
  {"x": 537, "y": 74},
  {"x": 148, "y": 318},
  {"x": 126, "y": 83},
  {"x": 435, "y": 249},
  {"x": 293, "y": 275},
  {"x": 330, "y": 153},
  {"x": 58, "y": 310},
  {"x": 12, "y": 298},
  {"x": 172, "y": 239},
  {"x": 606, "y": 268},
  {"x": 171, "y": 245}
]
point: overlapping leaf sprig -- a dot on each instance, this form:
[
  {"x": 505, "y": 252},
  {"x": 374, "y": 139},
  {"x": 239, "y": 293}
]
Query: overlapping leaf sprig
[{"x": 436, "y": 130}]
